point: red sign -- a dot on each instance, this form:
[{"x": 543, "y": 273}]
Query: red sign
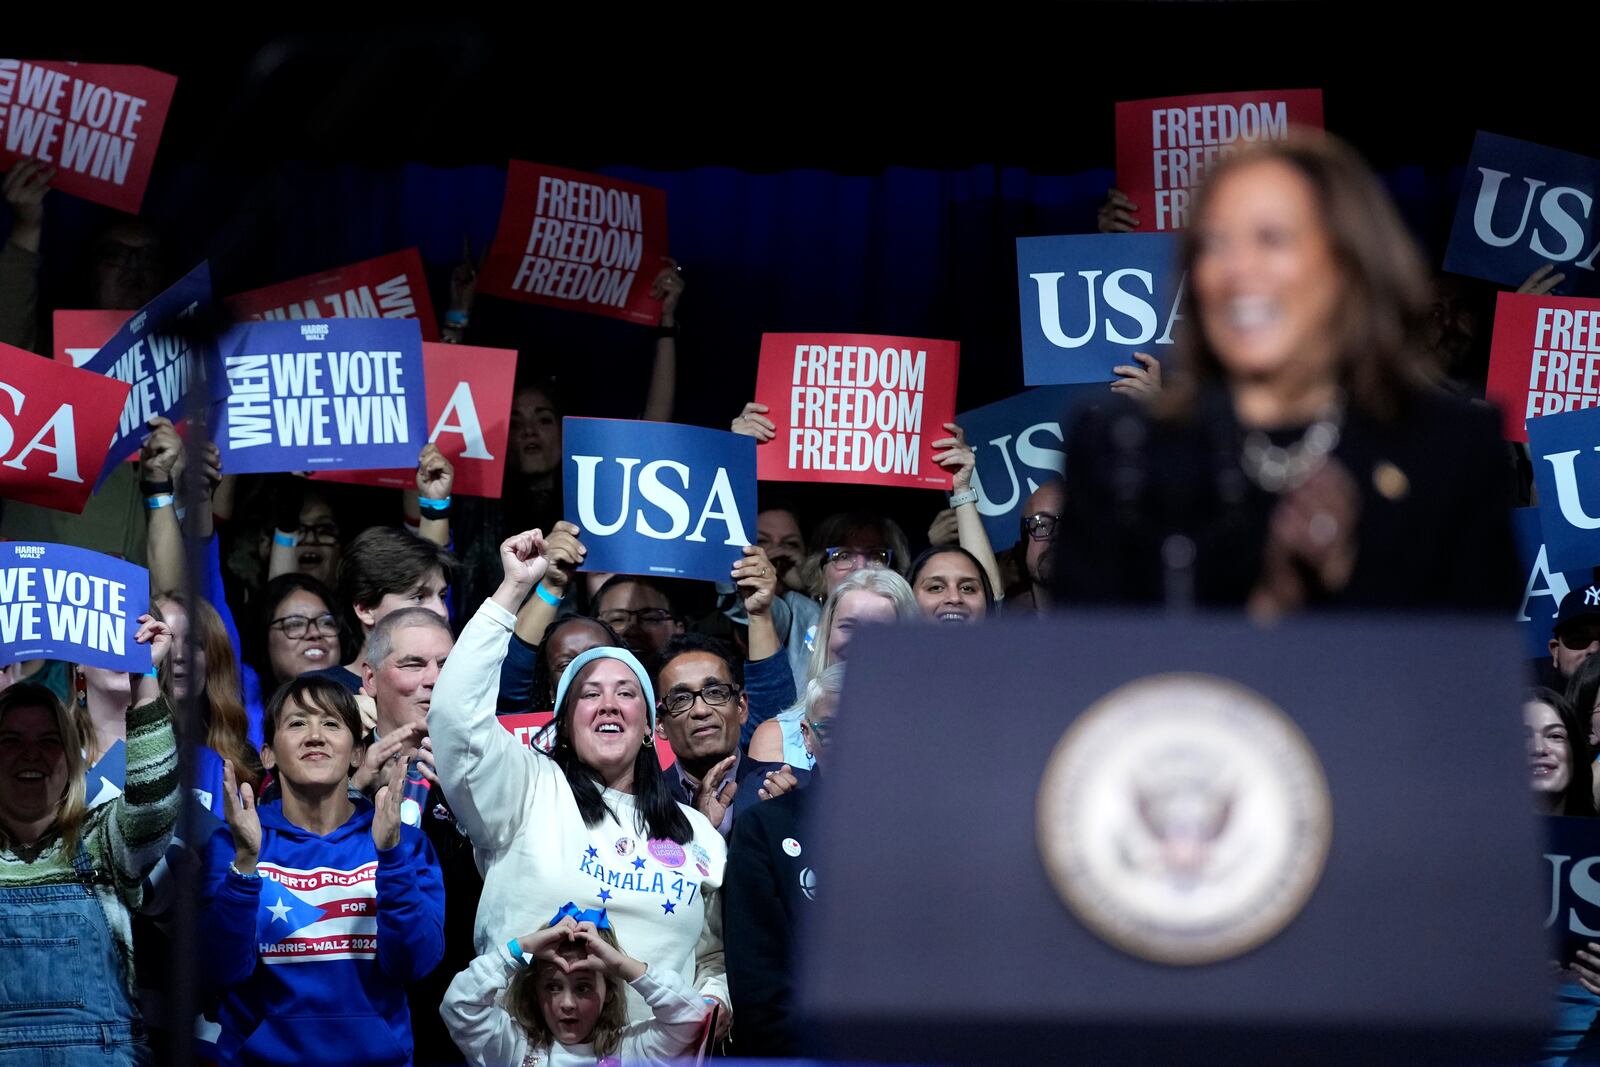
[
  {"x": 56, "y": 426},
  {"x": 97, "y": 123},
  {"x": 80, "y": 334},
  {"x": 1166, "y": 147},
  {"x": 1545, "y": 358},
  {"x": 469, "y": 410},
  {"x": 855, "y": 408},
  {"x": 578, "y": 241},
  {"x": 526, "y": 726},
  {"x": 389, "y": 287}
]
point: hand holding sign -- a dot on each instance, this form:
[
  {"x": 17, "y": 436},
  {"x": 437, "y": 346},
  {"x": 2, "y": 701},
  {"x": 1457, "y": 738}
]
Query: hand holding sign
[
  {"x": 24, "y": 189},
  {"x": 757, "y": 579},
  {"x": 1541, "y": 281},
  {"x": 753, "y": 422},
  {"x": 435, "y": 475},
  {"x": 161, "y": 452},
  {"x": 1142, "y": 381},
  {"x": 668, "y": 288},
  {"x": 158, "y": 635},
  {"x": 955, "y": 456},
  {"x": 564, "y": 554},
  {"x": 1118, "y": 214}
]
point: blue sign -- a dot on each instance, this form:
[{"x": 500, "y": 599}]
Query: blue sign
[
  {"x": 1542, "y": 588},
  {"x": 66, "y": 603},
  {"x": 329, "y": 394},
  {"x": 1089, "y": 303},
  {"x": 657, "y": 498},
  {"x": 1568, "y": 867},
  {"x": 1019, "y": 445},
  {"x": 1524, "y": 205},
  {"x": 155, "y": 352},
  {"x": 1565, "y": 450}
]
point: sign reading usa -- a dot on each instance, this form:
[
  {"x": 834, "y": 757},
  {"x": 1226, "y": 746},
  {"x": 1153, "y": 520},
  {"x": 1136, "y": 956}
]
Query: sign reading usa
[
  {"x": 1166, "y": 147},
  {"x": 657, "y": 498},
  {"x": 60, "y": 602},
  {"x": 388, "y": 287},
  {"x": 579, "y": 241},
  {"x": 1566, "y": 469},
  {"x": 856, "y": 408},
  {"x": 469, "y": 410},
  {"x": 55, "y": 425},
  {"x": 1018, "y": 445},
  {"x": 1545, "y": 358},
  {"x": 1090, "y": 302},
  {"x": 1524, "y": 205},
  {"x": 1544, "y": 588},
  {"x": 98, "y": 123},
  {"x": 304, "y": 396}
]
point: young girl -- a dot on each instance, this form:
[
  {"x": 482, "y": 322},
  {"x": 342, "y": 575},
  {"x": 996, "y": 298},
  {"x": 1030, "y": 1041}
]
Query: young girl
[{"x": 565, "y": 1001}]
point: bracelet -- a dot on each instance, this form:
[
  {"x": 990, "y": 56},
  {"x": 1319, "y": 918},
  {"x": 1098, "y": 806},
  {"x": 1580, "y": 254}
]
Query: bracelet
[
  {"x": 966, "y": 496},
  {"x": 153, "y": 672},
  {"x": 547, "y": 596},
  {"x": 234, "y": 868},
  {"x": 430, "y": 504},
  {"x": 155, "y": 488},
  {"x": 157, "y": 502},
  {"x": 663, "y": 332},
  {"x": 456, "y": 320},
  {"x": 283, "y": 539},
  {"x": 515, "y": 948}
]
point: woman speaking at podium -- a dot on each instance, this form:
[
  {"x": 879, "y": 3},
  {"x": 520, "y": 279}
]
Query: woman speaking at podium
[{"x": 1301, "y": 457}]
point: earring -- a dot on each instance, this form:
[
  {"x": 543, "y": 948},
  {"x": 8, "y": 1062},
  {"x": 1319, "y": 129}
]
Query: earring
[
  {"x": 81, "y": 685},
  {"x": 650, "y": 740}
]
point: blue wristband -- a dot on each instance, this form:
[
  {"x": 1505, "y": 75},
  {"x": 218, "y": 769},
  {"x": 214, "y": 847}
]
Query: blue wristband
[
  {"x": 458, "y": 319},
  {"x": 515, "y": 949},
  {"x": 546, "y": 595},
  {"x": 281, "y": 538},
  {"x": 153, "y": 672},
  {"x": 156, "y": 502},
  {"x": 429, "y": 504}
]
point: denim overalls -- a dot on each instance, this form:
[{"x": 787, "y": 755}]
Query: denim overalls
[{"x": 62, "y": 998}]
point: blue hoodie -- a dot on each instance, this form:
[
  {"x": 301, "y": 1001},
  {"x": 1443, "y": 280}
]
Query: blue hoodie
[{"x": 312, "y": 958}]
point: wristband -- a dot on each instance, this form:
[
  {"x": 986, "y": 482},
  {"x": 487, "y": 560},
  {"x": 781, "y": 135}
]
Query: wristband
[
  {"x": 234, "y": 868},
  {"x": 966, "y": 496},
  {"x": 515, "y": 948},
  {"x": 456, "y": 320},
  {"x": 155, "y": 488},
  {"x": 429, "y": 504},
  {"x": 546, "y": 595},
  {"x": 667, "y": 331},
  {"x": 156, "y": 502},
  {"x": 281, "y": 538},
  {"x": 153, "y": 672}
]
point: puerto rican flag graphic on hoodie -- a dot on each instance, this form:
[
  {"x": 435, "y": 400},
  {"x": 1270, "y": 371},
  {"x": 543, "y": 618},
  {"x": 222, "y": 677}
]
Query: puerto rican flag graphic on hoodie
[{"x": 315, "y": 915}]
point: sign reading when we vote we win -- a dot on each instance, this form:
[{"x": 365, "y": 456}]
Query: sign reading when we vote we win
[
  {"x": 1545, "y": 358},
  {"x": 304, "y": 396},
  {"x": 579, "y": 241},
  {"x": 66, "y": 603},
  {"x": 856, "y": 408},
  {"x": 469, "y": 410},
  {"x": 1166, "y": 147},
  {"x": 1089, "y": 303},
  {"x": 657, "y": 498},
  {"x": 388, "y": 287},
  {"x": 97, "y": 123},
  {"x": 55, "y": 425}
]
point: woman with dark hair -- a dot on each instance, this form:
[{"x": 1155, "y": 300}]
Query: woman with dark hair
[
  {"x": 1299, "y": 456},
  {"x": 951, "y": 585},
  {"x": 1561, "y": 773},
  {"x": 297, "y": 630},
  {"x": 595, "y": 822}
]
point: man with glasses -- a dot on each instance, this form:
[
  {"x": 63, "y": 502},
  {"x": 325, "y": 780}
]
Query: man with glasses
[
  {"x": 641, "y": 614},
  {"x": 1041, "y": 515},
  {"x": 703, "y": 703},
  {"x": 1576, "y": 634}
]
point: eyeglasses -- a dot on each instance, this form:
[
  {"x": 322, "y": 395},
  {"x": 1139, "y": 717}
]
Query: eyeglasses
[
  {"x": 1041, "y": 527},
  {"x": 840, "y": 558},
  {"x": 294, "y": 627},
  {"x": 715, "y": 695},
  {"x": 617, "y": 618},
  {"x": 820, "y": 729},
  {"x": 325, "y": 532},
  {"x": 1578, "y": 638}
]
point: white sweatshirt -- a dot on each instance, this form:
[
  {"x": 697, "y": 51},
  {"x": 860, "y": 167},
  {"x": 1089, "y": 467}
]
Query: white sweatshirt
[
  {"x": 489, "y": 1037},
  {"x": 536, "y": 854}
]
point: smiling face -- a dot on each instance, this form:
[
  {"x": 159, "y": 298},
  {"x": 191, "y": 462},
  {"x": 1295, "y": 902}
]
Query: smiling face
[
  {"x": 1549, "y": 753},
  {"x": 608, "y": 720},
  {"x": 317, "y": 646},
  {"x": 570, "y": 1003},
  {"x": 950, "y": 589},
  {"x": 856, "y": 608},
  {"x": 535, "y": 432},
  {"x": 779, "y": 534},
  {"x": 705, "y": 733},
  {"x": 33, "y": 771},
  {"x": 1265, "y": 281},
  {"x": 319, "y": 549},
  {"x": 311, "y": 748},
  {"x": 402, "y": 686}
]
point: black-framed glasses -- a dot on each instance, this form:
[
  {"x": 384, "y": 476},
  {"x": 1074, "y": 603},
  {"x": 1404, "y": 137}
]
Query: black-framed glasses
[
  {"x": 294, "y": 627},
  {"x": 715, "y": 695},
  {"x": 861, "y": 557},
  {"x": 617, "y": 618},
  {"x": 1578, "y": 638},
  {"x": 323, "y": 532},
  {"x": 1041, "y": 527}
]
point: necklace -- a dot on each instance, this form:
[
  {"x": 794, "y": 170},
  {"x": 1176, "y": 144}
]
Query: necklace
[{"x": 1276, "y": 468}]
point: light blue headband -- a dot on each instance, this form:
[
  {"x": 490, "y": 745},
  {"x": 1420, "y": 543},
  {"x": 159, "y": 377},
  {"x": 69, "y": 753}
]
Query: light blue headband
[{"x": 623, "y": 656}]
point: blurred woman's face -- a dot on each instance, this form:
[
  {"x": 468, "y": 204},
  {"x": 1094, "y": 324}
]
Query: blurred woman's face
[
  {"x": 302, "y": 636},
  {"x": 535, "y": 432},
  {"x": 855, "y": 609},
  {"x": 33, "y": 768},
  {"x": 950, "y": 589},
  {"x": 184, "y": 670},
  {"x": 1265, "y": 283},
  {"x": 319, "y": 549},
  {"x": 1549, "y": 751}
]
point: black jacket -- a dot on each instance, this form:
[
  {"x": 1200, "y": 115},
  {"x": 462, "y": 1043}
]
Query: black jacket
[{"x": 462, "y": 888}]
